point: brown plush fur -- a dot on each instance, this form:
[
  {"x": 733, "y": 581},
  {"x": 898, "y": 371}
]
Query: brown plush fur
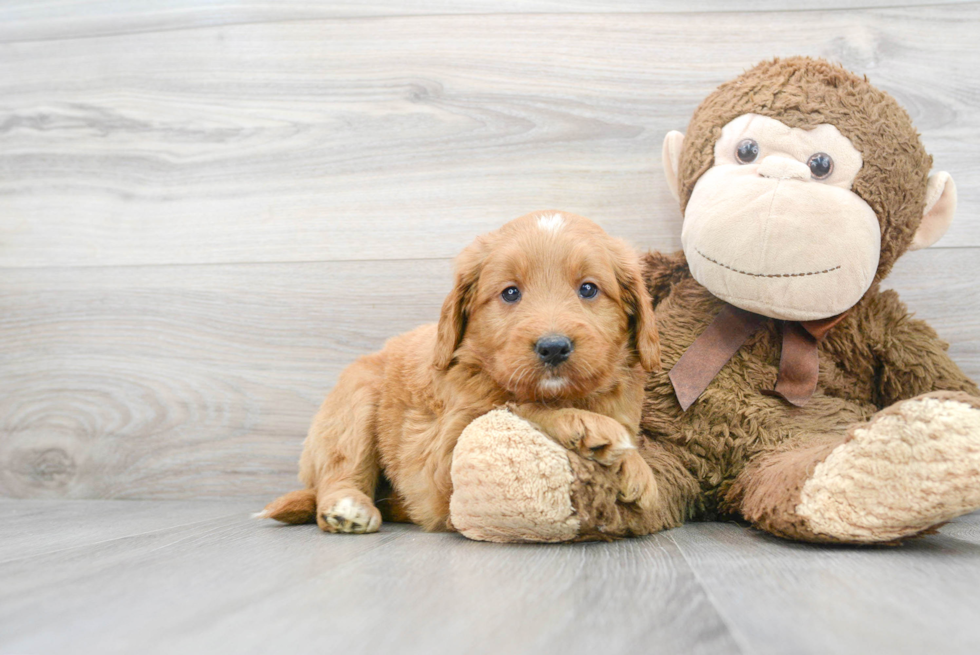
[
  {"x": 400, "y": 411},
  {"x": 738, "y": 450},
  {"x": 769, "y": 489}
]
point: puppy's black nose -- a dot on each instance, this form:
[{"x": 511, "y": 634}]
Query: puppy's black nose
[{"x": 553, "y": 349}]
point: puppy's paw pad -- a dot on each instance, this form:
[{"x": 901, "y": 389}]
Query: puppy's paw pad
[{"x": 348, "y": 515}]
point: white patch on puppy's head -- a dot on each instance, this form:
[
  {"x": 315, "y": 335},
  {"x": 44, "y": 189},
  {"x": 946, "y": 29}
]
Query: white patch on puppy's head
[{"x": 551, "y": 223}]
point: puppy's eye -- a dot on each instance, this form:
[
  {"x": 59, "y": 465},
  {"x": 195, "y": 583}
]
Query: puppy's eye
[
  {"x": 747, "y": 151},
  {"x": 510, "y": 294},
  {"x": 588, "y": 290}
]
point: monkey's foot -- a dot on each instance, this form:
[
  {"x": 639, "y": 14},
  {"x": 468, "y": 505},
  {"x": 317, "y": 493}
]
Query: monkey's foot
[
  {"x": 914, "y": 466},
  {"x": 512, "y": 482}
]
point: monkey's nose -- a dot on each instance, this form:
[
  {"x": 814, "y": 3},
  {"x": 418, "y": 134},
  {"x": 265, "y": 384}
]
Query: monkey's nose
[
  {"x": 783, "y": 168},
  {"x": 553, "y": 349}
]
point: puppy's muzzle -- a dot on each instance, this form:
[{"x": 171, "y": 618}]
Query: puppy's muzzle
[{"x": 553, "y": 349}]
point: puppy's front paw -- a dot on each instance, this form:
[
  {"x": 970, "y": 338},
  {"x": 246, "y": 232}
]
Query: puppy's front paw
[
  {"x": 637, "y": 482},
  {"x": 594, "y": 436},
  {"x": 349, "y": 514}
]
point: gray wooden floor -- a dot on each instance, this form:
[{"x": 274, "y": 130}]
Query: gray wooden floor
[{"x": 201, "y": 577}]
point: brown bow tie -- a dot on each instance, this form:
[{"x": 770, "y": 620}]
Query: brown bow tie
[{"x": 798, "y": 362}]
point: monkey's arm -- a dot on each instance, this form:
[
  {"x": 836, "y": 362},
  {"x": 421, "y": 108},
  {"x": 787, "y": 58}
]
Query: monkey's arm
[{"x": 912, "y": 359}]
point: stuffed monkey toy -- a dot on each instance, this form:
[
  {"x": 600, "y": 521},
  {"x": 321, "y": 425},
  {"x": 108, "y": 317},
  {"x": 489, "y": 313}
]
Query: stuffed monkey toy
[{"x": 794, "y": 392}]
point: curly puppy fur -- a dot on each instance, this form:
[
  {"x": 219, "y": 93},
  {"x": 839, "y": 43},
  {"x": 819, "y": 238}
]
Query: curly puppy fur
[{"x": 399, "y": 412}]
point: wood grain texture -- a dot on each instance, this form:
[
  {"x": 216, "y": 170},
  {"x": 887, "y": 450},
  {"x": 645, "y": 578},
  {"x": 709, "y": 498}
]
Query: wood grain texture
[
  {"x": 207, "y": 210},
  {"x": 200, "y": 381},
  {"x": 789, "y": 597},
  {"x": 335, "y": 139},
  {"x": 200, "y": 577},
  {"x": 236, "y": 585},
  {"x": 178, "y": 382},
  {"x": 34, "y": 20}
]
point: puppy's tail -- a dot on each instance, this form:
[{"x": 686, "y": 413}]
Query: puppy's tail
[{"x": 295, "y": 507}]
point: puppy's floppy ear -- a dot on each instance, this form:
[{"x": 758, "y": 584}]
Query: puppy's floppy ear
[
  {"x": 644, "y": 337},
  {"x": 456, "y": 308}
]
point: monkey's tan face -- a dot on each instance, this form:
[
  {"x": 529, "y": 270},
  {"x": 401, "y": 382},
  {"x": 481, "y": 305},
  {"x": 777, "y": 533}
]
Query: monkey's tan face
[{"x": 773, "y": 226}]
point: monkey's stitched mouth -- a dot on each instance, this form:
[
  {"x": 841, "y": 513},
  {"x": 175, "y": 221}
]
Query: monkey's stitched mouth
[{"x": 735, "y": 270}]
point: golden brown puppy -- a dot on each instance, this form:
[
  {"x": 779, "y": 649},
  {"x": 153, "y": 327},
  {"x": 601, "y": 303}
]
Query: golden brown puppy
[{"x": 548, "y": 316}]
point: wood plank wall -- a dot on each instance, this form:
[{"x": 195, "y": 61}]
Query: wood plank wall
[{"x": 207, "y": 209}]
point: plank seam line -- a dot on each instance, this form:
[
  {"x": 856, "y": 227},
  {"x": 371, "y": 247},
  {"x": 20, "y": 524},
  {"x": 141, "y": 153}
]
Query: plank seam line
[
  {"x": 739, "y": 638},
  {"x": 128, "y": 536},
  {"x": 369, "y": 260}
]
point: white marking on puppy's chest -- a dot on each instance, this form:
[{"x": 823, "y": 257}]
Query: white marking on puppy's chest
[
  {"x": 552, "y": 384},
  {"x": 551, "y": 223}
]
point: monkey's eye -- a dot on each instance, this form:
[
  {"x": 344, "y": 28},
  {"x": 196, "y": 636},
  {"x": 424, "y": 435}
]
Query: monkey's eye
[
  {"x": 747, "y": 151},
  {"x": 510, "y": 294},
  {"x": 821, "y": 165},
  {"x": 588, "y": 290}
]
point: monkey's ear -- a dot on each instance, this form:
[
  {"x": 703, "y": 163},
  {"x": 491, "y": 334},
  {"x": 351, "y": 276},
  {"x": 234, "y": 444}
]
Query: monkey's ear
[
  {"x": 939, "y": 210},
  {"x": 673, "y": 143},
  {"x": 456, "y": 307}
]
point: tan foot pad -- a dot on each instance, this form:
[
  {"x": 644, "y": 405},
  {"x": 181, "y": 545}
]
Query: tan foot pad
[
  {"x": 511, "y": 483},
  {"x": 914, "y": 466}
]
